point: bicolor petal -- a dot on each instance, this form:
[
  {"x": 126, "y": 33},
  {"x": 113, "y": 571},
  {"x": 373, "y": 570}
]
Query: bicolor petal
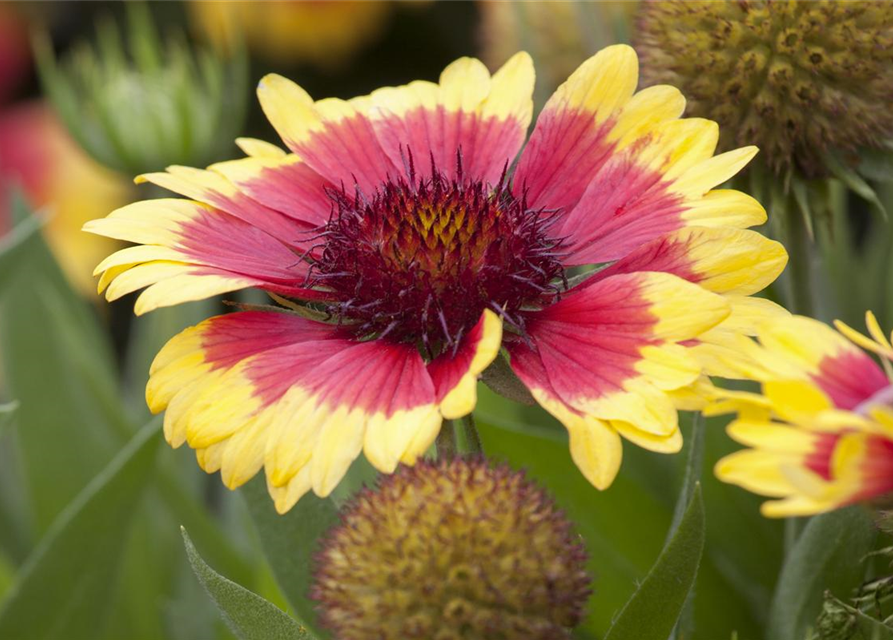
[
  {"x": 569, "y": 142},
  {"x": 190, "y": 251},
  {"x": 263, "y": 388},
  {"x": 722, "y": 260},
  {"x": 595, "y": 446},
  {"x": 455, "y": 375},
  {"x": 469, "y": 115},
  {"x": 334, "y": 137},
  {"x": 809, "y": 471},
  {"x": 609, "y": 353},
  {"x": 825, "y": 437},
  {"x": 630, "y": 168},
  {"x": 283, "y": 183},
  {"x": 607, "y": 349},
  {"x": 213, "y": 189},
  {"x": 812, "y": 349}
]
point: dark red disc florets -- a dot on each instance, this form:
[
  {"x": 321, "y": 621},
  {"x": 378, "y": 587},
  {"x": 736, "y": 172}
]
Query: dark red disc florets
[{"x": 421, "y": 259}]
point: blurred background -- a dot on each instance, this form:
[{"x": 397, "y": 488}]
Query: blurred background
[{"x": 127, "y": 89}]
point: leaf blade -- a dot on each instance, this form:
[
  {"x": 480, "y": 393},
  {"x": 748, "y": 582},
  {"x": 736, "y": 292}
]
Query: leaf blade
[
  {"x": 669, "y": 582},
  {"x": 72, "y": 570},
  {"x": 248, "y": 615}
]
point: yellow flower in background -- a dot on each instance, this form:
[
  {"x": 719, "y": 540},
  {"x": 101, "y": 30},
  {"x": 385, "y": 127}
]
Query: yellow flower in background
[
  {"x": 317, "y": 32},
  {"x": 820, "y": 433},
  {"x": 560, "y": 35},
  {"x": 37, "y": 154}
]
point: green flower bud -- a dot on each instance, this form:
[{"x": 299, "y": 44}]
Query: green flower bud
[
  {"x": 149, "y": 104},
  {"x": 798, "y": 79},
  {"x": 836, "y": 621},
  {"x": 452, "y": 550}
]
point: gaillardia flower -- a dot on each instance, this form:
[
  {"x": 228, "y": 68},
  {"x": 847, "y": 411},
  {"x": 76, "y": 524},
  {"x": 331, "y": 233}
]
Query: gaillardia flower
[
  {"x": 821, "y": 432},
  {"x": 799, "y": 79},
  {"x": 449, "y": 551},
  {"x": 399, "y": 247}
]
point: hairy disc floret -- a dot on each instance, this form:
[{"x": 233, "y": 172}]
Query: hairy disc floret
[
  {"x": 421, "y": 258},
  {"x": 448, "y": 551},
  {"x": 798, "y": 79}
]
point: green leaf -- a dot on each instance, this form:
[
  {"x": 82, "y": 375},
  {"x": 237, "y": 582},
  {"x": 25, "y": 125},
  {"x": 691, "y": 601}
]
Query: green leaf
[
  {"x": 17, "y": 241},
  {"x": 63, "y": 588},
  {"x": 827, "y": 555},
  {"x": 56, "y": 358},
  {"x": 248, "y": 615},
  {"x": 653, "y": 610},
  {"x": 871, "y": 629},
  {"x": 855, "y": 182},
  {"x": 290, "y": 542}
]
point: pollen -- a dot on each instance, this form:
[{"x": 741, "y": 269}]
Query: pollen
[
  {"x": 419, "y": 260},
  {"x": 798, "y": 79},
  {"x": 452, "y": 550}
]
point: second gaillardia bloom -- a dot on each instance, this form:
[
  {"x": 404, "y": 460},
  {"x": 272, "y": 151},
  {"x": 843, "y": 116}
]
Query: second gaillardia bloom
[{"x": 404, "y": 254}]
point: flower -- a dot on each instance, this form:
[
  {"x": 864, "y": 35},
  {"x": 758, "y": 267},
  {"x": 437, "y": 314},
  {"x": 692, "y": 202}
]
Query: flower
[
  {"x": 821, "y": 432},
  {"x": 39, "y": 157},
  {"x": 799, "y": 79},
  {"x": 398, "y": 246},
  {"x": 322, "y": 33},
  {"x": 451, "y": 550}
]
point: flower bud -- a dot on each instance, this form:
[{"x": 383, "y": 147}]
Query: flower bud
[
  {"x": 452, "y": 550},
  {"x": 149, "y": 104}
]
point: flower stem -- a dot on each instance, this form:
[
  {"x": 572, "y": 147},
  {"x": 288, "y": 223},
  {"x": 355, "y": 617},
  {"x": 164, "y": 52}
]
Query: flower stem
[
  {"x": 472, "y": 437},
  {"x": 446, "y": 441},
  {"x": 800, "y": 297},
  {"x": 800, "y": 300}
]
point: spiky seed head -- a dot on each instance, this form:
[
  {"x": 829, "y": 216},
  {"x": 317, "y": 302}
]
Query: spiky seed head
[
  {"x": 798, "y": 79},
  {"x": 452, "y": 550}
]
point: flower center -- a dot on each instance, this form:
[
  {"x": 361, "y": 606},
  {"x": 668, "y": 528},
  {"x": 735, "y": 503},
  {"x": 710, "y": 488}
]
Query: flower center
[{"x": 421, "y": 259}]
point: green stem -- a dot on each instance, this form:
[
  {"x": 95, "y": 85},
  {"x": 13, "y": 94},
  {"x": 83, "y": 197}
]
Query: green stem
[
  {"x": 791, "y": 533},
  {"x": 694, "y": 463},
  {"x": 800, "y": 296},
  {"x": 446, "y": 441},
  {"x": 800, "y": 300},
  {"x": 693, "y": 466},
  {"x": 472, "y": 437}
]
